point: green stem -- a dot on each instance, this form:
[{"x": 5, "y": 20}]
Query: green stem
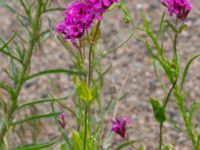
[
  {"x": 175, "y": 42},
  {"x": 168, "y": 95}
]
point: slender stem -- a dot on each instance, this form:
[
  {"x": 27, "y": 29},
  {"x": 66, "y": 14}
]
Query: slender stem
[
  {"x": 165, "y": 105},
  {"x": 161, "y": 136},
  {"x": 89, "y": 81},
  {"x": 130, "y": 143},
  {"x": 85, "y": 137},
  {"x": 175, "y": 42},
  {"x": 90, "y": 53},
  {"x": 168, "y": 95}
]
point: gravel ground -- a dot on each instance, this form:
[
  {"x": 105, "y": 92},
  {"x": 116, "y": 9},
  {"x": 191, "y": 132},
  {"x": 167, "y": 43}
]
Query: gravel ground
[{"x": 131, "y": 65}]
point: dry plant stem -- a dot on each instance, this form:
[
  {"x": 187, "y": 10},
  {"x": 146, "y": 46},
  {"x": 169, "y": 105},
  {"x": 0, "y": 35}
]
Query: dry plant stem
[{"x": 90, "y": 70}]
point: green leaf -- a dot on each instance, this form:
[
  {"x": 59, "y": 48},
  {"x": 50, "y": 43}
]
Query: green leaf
[
  {"x": 77, "y": 143},
  {"x": 35, "y": 146},
  {"x": 185, "y": 72},
  {"x": 37, "y": 117},
  {"x": 151, "y": 34},
  {"x": 162, "y": 62},
  {"x": 159, "y": 111},
  {"x": 55, "y": 9},
  {"x": 172, "y": 26},
  {"x": 127, "y": 18},
  {"x": 105, "y": 53},
  {"x": 83, "y": 91},
  {"x": 125, "y": 144},
  {"x": 54, "y": 71},
  {"x": 161, "y": 24}
]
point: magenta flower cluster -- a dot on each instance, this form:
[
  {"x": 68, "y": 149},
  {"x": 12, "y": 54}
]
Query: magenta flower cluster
[
  {"x": 119, "y": 125},
  {"x": 80, "y": 15},
  {"x": 180, "y": 8}
]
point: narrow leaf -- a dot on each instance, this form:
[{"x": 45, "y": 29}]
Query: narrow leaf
[
  {"x": 54, "y": 71},
  {"x": 35, "y": 146},
  {"x": 6, "y": 44},
  {"x": 39, "y": 101},
  {"x": 185, "y": 72},
  {"x": 77, "y": 143},
  {"x": 35, "y": 118},
  {"x": 6, "y": 88},
  {"x": 125, "y": 144}
]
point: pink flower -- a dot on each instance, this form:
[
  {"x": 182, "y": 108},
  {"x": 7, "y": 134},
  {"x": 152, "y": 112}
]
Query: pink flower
[
  {"x": 119, "y": 125},
  {"x": 62, "y": 117},
  {"x": 80, "y": 16},
  {"x": 100, "y": 4},
  {"x": 180, "y": 8}
]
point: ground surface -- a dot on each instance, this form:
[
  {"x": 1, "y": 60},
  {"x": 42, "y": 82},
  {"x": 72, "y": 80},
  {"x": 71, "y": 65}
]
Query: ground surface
[{"x": 130, "y": 62}]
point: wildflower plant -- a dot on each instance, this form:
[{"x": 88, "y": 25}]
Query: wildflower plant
[
  {"x": 180, "y": 10},
  {"x": 79, "y": 32}
]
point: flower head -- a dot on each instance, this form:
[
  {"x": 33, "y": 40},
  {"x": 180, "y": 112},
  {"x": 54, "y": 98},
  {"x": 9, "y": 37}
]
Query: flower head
[
  {"x": 62, "y": 120},
  {"x": 119, "y": 125},
  {"x": 80, "y": 15},
  {"x": 180, "y": 8}
]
